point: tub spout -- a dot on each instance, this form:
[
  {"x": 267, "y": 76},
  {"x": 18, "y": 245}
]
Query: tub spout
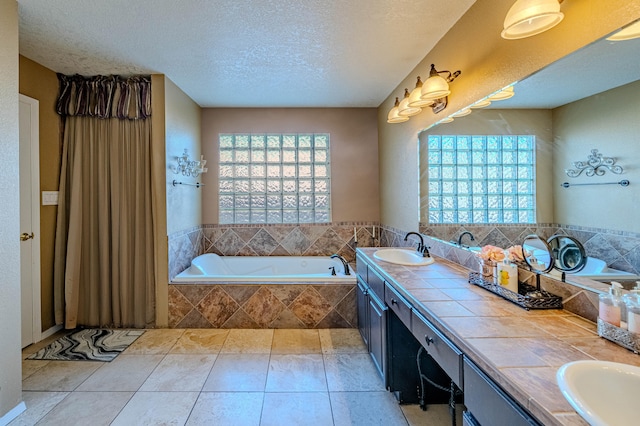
[{"x": 344, "y": 263}]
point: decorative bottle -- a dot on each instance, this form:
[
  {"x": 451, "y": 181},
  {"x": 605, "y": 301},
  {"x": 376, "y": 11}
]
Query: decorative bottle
[
  {"x": 611, "y": 308},
  {"x": 507, "y": 275},
  {"x": 632, "y": 303}
]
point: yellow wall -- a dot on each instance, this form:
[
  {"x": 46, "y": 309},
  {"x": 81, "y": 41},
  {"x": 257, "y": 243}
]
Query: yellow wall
[
  {"x": 41, "y": 83},
  {"x": 488, "y": 63},
  {"x": 609, "y": 123},
  {"x": 354, "y": 152},
  {"x": 182, "y": 123}
]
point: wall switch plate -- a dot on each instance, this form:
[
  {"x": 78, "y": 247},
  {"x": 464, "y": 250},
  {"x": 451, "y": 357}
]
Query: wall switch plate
[{"x": 49, "y": 198}]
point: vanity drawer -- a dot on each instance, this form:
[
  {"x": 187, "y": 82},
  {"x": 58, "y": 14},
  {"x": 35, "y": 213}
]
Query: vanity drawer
[
  {"x": 376, "y": 283},
  {"x": 488, "y": 403},
  {"x": 398, "y": 304},
  {"x": 439, "y": 347}
]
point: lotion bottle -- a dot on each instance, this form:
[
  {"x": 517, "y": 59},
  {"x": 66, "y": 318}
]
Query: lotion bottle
[
  {"x": 507, "y": 274},
  {"x": 632, "y": 302},
  {"x": 611, "y": 307}
]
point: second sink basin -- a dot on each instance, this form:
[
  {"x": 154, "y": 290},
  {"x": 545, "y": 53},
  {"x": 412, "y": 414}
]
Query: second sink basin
[
  {"x": 402, "y": 257},
  {"x": 603, "y": 393}
]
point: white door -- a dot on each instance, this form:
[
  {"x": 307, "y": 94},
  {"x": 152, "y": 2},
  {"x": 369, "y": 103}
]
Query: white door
[{"x": 30, "y": 220}]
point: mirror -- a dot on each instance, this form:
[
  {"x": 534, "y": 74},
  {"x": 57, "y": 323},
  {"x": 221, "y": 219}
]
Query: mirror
[
  {"x": 587, "y": 100},
  {"x": 568, "y": 253},
  {"x": 537, "y": 254}
]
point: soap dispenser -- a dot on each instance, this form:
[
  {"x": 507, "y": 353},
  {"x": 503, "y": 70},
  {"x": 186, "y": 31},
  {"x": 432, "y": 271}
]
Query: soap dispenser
[
  {"x": 632, "y": 303},
  {"x": 507, "y": 275},
  {"x": 611, "y": 308}
]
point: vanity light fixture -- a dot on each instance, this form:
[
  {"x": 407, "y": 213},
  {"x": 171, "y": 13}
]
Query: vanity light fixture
[
  {"x": 627, "y": 33},
  {"x": 481, "y": 104},
  {"x": 415, "y": 98},
  {"x": 527, "y": 18},
  {"x": 446, "y": 120},
  {"x": 393, "y": 116},
  {"x": 462, "y": 113},
  {"x": 502, "y": 94},
  {"x": 437, "y": 87},
  {"x": 406, "y": 110},
  {"x": 187, "y": 167}
]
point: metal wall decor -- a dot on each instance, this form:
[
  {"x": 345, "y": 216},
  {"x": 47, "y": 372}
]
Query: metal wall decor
[{"x": 594, "y": 166}]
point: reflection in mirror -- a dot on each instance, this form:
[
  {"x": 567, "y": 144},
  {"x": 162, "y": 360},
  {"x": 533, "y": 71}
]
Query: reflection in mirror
[
  {"x": 537, "y": 254},
  {"x": 568, "y": 253},
  {"x": 588, "y": 100}
]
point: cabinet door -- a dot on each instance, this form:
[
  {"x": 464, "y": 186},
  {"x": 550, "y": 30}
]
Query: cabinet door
[
  {"x": 378, "y": 337},
  {"x": 488, "y": 403},
  {"x": 363, "y": 311}
]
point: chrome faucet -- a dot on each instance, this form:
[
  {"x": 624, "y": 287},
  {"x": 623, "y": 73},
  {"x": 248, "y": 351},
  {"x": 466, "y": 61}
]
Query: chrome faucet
[
  {"x": 471, "y": 238},
  {"x": 422, "y": 249},
  {"x": 344, "y": 263}
]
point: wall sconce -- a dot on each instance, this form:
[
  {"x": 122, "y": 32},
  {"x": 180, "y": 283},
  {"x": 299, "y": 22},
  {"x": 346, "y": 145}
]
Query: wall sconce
[
  {"x": 432, "y": 93},
  {"x": 187, "y": 167},
  {"x": 393, "y": 116},
  {"x": 527, "y": 18}
]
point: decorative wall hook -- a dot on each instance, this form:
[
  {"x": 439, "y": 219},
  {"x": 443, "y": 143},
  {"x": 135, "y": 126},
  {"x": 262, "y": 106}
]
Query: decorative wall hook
[
  {"x": 595, "y": 165},
  {"x": 188, "y": 167}
]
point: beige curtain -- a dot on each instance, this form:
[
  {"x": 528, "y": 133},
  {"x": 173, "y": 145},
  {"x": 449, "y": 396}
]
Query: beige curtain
[{"x": 104, "y": 266}]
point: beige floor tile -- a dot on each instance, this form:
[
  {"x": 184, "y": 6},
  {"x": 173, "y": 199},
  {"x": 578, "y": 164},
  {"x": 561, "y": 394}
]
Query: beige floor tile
[
  {"x": 366, "y": 408},
  {"x": 125, "y": 373},
  {"x": 291, "y": 341},
  {"x": 248, "y": 341},
  {"x": 87, "y": 408},
  {"x": 180, "y": 373},
  {"x": 341, "y": 340},
  {"x": 435, "y": 415},
  {"x": 200, "y": 341},
  {"x": 154, "y": 342},
  {"x": 352, "y": 372},
  {"x": 238, "y": 373},
  {"x": 302, "y": 408},
  {"x": 30, "y": 366},
  {"x": 227, "y": 408},
  {"x": 296, "y": 373},
  {"x": 60, "y": 375},
  {"x": 157, "y": 408},
  {"x": 38, "y": 405}
]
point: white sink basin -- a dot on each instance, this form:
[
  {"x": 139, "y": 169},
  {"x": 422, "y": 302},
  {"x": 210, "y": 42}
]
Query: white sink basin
[
  {"x": 402, "y": 257},
  {"x": 603, "y": 393}
]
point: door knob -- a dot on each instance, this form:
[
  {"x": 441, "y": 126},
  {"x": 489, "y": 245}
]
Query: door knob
[{"x": 24, "y": 236}]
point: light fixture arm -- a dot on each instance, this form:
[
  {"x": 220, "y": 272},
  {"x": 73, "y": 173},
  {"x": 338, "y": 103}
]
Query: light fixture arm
[{"x": 450, "y": 76}]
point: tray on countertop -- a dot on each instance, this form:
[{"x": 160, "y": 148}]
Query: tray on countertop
[{"x": 528, "y": 297}]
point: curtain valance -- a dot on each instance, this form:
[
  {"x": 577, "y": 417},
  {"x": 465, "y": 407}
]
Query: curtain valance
[{"x": 104, "y": 96}]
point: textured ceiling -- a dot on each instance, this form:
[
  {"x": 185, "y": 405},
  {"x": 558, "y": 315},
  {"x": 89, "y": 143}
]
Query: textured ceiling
[{"x": 243, "y": 53}]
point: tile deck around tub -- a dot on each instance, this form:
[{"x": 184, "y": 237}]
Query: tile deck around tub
[{"x": 221, "y": 377}]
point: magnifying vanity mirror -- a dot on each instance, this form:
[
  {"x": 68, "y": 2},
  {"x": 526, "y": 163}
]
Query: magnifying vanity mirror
[
  {"x": 537, "y": 254},
  {"x": 568, "y": 253}
]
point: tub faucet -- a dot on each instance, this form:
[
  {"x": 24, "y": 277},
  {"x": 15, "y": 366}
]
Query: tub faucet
[
  {"x": 422, "y": 249},
  {"x": 471, "y": 238},
  {"x": 344, "y": 263}
]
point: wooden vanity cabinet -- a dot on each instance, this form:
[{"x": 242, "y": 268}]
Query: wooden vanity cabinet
[
  {"x": 372, "y": 316},
  {"x": 487, "y": 404}
]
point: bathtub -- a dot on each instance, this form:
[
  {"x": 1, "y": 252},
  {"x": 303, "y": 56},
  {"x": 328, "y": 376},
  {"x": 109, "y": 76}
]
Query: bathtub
[
  {"x": 211, "y": 268},
  {"x": 263, "y": 292}
]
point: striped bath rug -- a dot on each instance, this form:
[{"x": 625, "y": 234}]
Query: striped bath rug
[{"x": 88, "y": 345}]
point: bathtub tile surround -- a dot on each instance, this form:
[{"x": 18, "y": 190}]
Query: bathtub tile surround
[
  {"x": 269, "y": 240},
  {"x": 262, "y": 306}
]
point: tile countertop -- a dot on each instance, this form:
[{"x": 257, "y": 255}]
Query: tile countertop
[{"x": 520, "y": 350}]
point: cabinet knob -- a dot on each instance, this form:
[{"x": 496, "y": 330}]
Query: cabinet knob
[
  {"x": 428, "y": 339},
  {"x": 394, "y": 302}
]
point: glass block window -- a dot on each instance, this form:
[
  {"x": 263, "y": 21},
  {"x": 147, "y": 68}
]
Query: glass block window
[
  {"x": 481, "y": 179},
  {"x": 274, "y": 178}
]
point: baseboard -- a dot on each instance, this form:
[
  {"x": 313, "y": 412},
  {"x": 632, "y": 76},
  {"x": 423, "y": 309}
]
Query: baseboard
[
  {"x": 12, "y": 414},
  {"x": 50, "y": 332}
]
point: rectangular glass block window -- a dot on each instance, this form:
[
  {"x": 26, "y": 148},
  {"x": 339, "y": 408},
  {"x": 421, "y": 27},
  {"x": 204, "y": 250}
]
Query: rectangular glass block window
[
  {"x": 273, "y": 178},
  {"x": 481, "y": 179}
]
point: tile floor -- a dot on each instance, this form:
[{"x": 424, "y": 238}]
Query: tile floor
[{"x": 220, "y": 377}]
